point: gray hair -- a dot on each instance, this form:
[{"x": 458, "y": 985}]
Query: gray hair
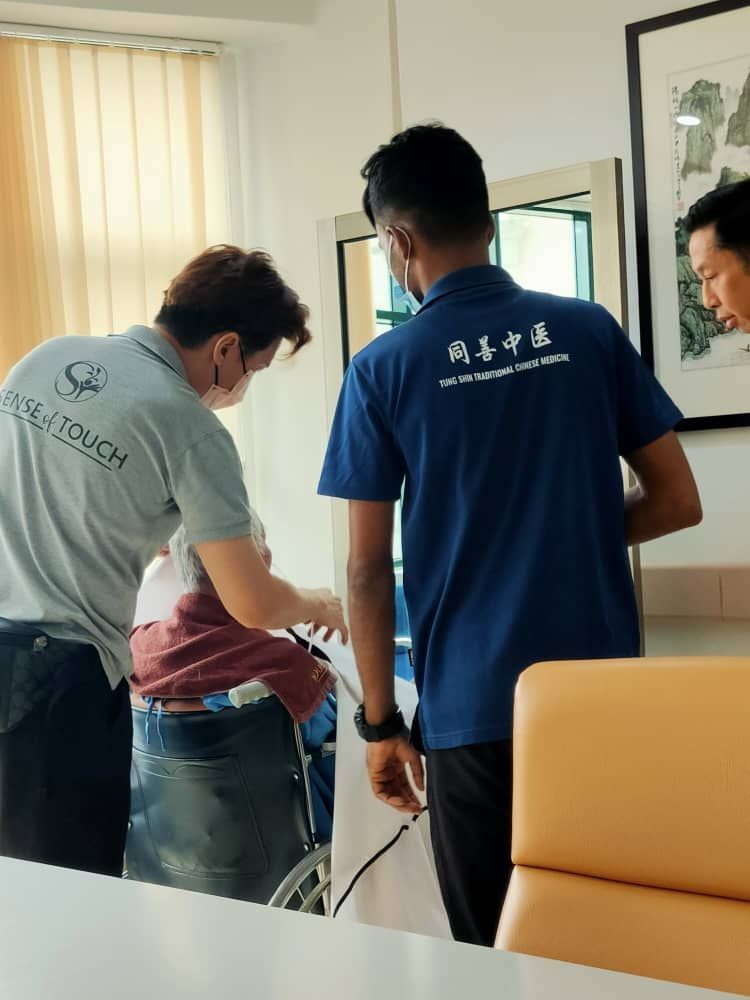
[{"x": 187, "y": 563}]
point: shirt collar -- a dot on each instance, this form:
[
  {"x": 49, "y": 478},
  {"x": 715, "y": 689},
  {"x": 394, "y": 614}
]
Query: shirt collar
[
  {"x": 468, "y": 277},
  {"x": 147, "y": 337}
]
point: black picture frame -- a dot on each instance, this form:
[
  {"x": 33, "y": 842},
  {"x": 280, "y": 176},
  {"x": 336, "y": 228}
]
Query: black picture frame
[{"x": 633, "y": 33}]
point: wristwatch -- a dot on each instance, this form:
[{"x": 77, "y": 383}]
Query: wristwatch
[{"x": 394, "y": 725}]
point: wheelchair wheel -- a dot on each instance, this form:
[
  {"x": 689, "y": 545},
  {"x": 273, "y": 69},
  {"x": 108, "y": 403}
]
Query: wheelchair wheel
[{"x": 307, "y": 887}]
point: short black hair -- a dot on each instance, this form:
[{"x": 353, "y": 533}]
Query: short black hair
[
  {"x": 727, "y": 209},
  {"x": 229, "y": 290},
  {"x": 433, "y": 175}
]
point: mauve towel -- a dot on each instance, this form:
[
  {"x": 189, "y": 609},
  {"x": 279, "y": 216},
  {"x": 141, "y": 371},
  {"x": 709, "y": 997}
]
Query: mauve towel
[{"x": 202, "y": 650}]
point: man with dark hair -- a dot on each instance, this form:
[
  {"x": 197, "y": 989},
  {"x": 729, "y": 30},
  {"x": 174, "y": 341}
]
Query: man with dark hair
[
  {"x": 107, "y": 444},
  {"x": 464, "y": 217},
  {"x": 503, "y": 414},
  {"x": 719, "y": 228}
]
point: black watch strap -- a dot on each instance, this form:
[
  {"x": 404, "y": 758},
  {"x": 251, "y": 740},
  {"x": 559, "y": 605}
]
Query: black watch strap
[{"x": 394, "y": 725}]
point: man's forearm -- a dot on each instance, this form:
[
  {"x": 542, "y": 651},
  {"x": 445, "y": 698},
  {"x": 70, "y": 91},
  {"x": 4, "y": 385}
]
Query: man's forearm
[
  {"x": 257, "y": 598},
  {"x": 666, "y": 498},
  {"x": 648, "y": 517},
  {"x": 282, "y": 605},
  {"x": 372, "y": 616}
]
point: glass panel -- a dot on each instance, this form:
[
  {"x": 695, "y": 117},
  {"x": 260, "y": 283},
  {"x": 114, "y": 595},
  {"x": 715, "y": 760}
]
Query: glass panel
[
  {"x": 543, "y": 247},
  {"x": 538, "y": 249}
]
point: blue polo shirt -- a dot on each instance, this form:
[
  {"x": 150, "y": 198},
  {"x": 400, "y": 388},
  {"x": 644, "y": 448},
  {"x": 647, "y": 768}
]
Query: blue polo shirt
[{"x": 502, "y": 413}]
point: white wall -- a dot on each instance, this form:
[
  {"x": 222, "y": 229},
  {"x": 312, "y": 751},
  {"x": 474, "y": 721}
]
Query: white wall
[
  {"x": 538, "y": 85},
  {"x": 274, "y": 11},
  {"x": 229, "y": 21},
  {"x": 316, "y": 104}
]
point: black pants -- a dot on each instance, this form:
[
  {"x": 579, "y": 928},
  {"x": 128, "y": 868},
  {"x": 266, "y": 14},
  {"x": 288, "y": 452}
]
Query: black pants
[
  {"x": 469, "y": 798},
  {"x": 65, "y": 749}
]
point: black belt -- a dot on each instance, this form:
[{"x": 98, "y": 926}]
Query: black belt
[{"x": 21, "y": 634}]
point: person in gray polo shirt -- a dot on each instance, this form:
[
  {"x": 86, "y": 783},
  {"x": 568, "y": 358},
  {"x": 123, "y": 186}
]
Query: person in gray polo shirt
[{"x": 106, "y": 445}]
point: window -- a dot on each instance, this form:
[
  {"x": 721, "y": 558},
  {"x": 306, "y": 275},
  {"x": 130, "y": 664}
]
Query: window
[
  {"x": 544, "y": 247},
  {"x": 547, "y": 247},
  {"x": 111, "y": 178}
]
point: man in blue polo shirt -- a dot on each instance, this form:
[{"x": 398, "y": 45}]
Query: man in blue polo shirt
[{"x": 503, "y": 414}]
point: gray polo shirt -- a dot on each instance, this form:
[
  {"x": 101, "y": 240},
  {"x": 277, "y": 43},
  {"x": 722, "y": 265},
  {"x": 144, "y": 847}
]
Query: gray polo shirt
[{"x": 104, "y": 449}]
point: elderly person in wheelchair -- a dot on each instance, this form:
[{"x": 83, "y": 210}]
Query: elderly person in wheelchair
[{"x": 234, "y": 728}]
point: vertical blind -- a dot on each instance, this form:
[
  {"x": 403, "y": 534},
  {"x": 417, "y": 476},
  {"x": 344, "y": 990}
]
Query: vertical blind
[{"x": 111, "y": 178}]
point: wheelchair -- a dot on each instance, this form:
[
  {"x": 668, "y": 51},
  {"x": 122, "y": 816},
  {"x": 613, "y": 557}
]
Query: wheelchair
[{"x": 221, "y": 802}]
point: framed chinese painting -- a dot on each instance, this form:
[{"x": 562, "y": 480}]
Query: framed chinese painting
[{"x": 689, "y": 82}]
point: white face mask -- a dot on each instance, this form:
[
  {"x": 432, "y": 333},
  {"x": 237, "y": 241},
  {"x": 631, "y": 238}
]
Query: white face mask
[
  {"x": 408, "y": 296},
  {"x": 217, "y": 398}
]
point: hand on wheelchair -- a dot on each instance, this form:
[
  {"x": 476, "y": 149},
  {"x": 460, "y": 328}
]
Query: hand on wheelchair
[
  {"x": 387, "y": 766},
  {"x": 329, "y": 615}
]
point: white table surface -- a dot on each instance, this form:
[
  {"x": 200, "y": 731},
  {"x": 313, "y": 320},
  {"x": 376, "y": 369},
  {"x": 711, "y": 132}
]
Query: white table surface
[{"x": 71, "y": 936}]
